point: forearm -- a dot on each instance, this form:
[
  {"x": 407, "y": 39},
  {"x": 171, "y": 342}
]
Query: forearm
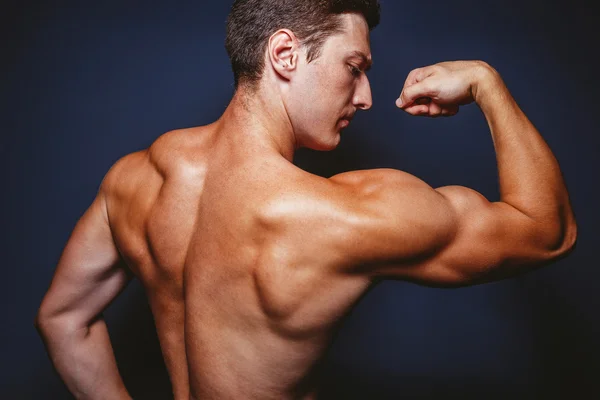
[
  {"x": 529, "y": 175},
  {"x": 84, "y": 360}
]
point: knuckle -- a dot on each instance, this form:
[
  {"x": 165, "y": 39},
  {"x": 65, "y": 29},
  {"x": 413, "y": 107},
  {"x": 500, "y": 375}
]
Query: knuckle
[
  {"x": 419, "y": 74},
  {"x": 428, "y": 86}
]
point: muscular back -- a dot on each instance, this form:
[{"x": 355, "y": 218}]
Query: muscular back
[
  {"x": 258, "y": 311},
  {"x": 152, "y": 201},
  {"x": 249, "y": 262}
]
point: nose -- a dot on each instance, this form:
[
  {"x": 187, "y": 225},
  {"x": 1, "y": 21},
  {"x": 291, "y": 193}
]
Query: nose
[{"x": 362, "y": 96}]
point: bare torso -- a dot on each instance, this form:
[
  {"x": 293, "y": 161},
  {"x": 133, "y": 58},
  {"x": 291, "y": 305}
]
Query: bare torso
[
  {"x": 249, "y": 263},
  {"x": 258, "y": 309}
]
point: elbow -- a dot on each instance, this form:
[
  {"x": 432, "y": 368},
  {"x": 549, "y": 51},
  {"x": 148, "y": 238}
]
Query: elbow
[
  {"x": 562, "y": 241},
  {"x": 41, "y": 326},
  {"x": 48, "y": 323},
  {"x": 42, "y": 322},
  {"x": 570, "y": 239}
]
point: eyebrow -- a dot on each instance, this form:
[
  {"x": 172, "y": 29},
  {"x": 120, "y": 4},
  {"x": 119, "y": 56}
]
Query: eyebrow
[{"x": 364, "y": 59}]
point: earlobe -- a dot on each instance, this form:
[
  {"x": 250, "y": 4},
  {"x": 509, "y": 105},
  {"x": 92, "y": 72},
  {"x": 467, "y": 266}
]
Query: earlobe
[{"x": 282, "y": 53}]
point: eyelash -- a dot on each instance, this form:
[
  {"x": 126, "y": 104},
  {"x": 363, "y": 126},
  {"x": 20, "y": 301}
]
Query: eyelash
[{"x": 355, "y": 71}]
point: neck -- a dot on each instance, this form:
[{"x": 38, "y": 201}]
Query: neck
[{"x": 262, "y": 117}]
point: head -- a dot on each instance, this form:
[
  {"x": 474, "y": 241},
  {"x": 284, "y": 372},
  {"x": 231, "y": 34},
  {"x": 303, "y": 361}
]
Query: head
[{"x": 313, "y": 53}]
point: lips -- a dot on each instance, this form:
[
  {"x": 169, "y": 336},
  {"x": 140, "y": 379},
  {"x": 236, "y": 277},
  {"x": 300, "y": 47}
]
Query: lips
[{"x": 346, "y": 120}]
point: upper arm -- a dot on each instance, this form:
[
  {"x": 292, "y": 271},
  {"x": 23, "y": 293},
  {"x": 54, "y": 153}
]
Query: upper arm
[
  {"x": 90, "y": 272},
  {"x": 449, "y": 236}
]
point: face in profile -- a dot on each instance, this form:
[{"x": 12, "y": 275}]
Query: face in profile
[{"x": 325, "y": 94}]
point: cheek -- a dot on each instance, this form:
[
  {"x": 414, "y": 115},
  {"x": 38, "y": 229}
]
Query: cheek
[
  {"x": 332, "y": 89},
  {"x": 337, "y": 80},
  {"x": 343, "y": 85},
  {"x": 317, "y": 93},
  {"x": 321, "y": 97}
]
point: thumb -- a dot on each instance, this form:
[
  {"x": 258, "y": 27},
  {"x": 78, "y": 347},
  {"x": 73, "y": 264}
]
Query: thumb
[{"x": 414, "y": 92}]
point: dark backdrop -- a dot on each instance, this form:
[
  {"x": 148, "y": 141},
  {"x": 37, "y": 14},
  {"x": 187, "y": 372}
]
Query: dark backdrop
[{"x": 84, "y": 83}]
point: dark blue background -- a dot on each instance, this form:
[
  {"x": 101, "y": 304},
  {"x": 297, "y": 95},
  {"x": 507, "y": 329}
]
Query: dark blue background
[{"x": 84, "y": 83}]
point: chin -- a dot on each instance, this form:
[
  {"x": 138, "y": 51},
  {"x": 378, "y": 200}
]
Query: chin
[{"x": 323, "y": 145}]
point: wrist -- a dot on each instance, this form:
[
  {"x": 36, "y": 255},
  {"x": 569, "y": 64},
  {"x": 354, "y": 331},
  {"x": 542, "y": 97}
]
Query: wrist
[{"x": 486, "y": 83}]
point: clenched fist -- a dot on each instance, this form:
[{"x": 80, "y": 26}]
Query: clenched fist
[{"x": 439, "y": 90}]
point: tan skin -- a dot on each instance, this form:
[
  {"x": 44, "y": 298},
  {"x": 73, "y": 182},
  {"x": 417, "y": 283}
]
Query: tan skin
[{"x": 272, "y": 256}]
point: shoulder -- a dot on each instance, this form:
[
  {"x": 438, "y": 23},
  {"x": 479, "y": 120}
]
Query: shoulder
[
  {"x": 351, "y": 192},
  {"x": 167, "y": 147},
  {"x": 123, "y": 169},
  {"x": 379, "y": 191},
  {"x": 168, "y": 153},
  {"x": 181, "y": 152},
  {"x": 371, "y": 181},
  {"x": 362, "y": 216},
  {"x": 395, "y": 215},
  {"x": 384, "y": 187}
]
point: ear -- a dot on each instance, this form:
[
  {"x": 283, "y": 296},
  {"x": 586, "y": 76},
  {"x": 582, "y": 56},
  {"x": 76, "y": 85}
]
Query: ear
[{"x": 283, "y": 53}]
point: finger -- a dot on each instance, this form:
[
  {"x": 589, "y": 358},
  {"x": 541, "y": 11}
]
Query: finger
[
  {"x": 449, "y": 111},
  {"x": 411, "y": 93},
  {"x": 417, "y": 109},
  {"x": 418, "y": 75},
  {"x": 411, "y": 79},
  {"x": 415, "y": 76},
  {"x": 435, "y": 110}
]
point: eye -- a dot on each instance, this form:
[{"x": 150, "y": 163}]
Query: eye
[{"x": 355, "y": 71}]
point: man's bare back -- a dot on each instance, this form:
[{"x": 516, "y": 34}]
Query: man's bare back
[
  {"x": 250, "y": 263},
  {"x": 260, "y": 312}
]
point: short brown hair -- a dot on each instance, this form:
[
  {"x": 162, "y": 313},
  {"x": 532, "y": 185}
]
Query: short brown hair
[{"x": 252, "y": 22}]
